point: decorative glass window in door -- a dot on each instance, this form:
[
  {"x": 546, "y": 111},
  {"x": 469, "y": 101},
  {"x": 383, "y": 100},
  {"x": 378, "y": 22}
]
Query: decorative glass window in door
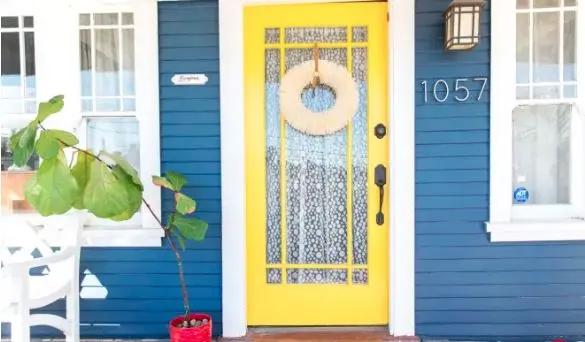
[{"x": 316, "y": 200}]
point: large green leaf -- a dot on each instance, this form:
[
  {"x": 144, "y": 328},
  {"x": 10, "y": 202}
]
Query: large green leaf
[
  {"x": 47, "y": 147},
  {"x": 184, "y": 204},
  {"x": 134, "y": 195},
  {"x": 125, "y": 165},
  {"x": 105, "y": 195},
  {"x": 191, "y": 228},
  {"x": 52, "y": 140},
  {"x": 46, "y": 109},
  {"x": 176, "y": 179},
  {"x": 53, "y": 189},
  {"x": 22, "y": 144},
  {"x": 81, "y": 172}
]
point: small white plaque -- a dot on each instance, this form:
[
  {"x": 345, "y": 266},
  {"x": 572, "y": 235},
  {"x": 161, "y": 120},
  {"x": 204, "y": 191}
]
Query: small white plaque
[{"x": 189, "y": 79}]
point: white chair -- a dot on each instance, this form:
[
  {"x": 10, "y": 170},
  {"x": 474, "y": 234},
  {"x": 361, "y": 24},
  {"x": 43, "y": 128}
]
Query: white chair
[{"x": 21, "y": 292}]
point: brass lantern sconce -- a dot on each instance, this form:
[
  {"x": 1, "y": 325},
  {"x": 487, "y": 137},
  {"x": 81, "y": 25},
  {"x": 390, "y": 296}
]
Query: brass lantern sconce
[{"x": 462, "y": 20}]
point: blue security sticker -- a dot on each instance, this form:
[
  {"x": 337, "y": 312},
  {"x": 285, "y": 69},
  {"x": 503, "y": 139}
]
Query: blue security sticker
[{"x": 521, "y": 195}]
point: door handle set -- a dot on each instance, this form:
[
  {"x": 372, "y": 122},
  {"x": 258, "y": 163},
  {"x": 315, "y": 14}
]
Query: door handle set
[
  {"x": 380, "y": 181},
  {"x": 380, "y": 175}
]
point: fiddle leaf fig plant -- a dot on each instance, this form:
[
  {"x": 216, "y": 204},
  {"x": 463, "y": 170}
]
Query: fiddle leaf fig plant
[{"x": 104, "y": 184}]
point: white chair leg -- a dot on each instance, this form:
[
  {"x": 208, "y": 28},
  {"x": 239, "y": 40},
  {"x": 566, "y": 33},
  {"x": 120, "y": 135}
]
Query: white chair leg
[
  {"x": 20, "y": 324},
  {"x": 72, "y": 315}
]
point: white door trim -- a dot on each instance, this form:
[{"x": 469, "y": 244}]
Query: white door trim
[{"x": 233, "y": 187}]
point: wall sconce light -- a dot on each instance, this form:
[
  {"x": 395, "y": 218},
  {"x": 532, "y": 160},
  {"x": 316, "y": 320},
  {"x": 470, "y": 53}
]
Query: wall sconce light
[{"x": 462, "y": 19}]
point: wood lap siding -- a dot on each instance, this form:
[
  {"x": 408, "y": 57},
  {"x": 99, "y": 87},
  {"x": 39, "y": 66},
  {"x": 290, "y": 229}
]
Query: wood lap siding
[
  {"x": 143, "y": 286},
  {"x": 467, "y": 287}
]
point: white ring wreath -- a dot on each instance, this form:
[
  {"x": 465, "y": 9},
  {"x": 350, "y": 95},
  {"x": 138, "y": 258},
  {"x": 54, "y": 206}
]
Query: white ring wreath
[{"x": 318, "y": 123}]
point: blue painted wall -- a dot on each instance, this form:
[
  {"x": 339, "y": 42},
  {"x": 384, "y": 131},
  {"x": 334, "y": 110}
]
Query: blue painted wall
[
  {"x": 467, "y": 287},
  {"x": 142, "y": 283}
]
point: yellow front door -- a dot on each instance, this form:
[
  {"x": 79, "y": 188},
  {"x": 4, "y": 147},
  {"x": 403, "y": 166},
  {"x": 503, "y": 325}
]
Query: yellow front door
[{"x": 317, "y": 244}]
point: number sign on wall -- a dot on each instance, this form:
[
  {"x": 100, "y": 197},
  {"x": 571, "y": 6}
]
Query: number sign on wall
[{"x": 459, "y": 91}]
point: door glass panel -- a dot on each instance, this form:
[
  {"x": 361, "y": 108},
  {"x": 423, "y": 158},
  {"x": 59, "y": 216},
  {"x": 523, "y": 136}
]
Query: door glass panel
[
  {"x": 316, "y": 181},
  {"x": 315, "y": 35},
  {"x": 316, "y": 186},
  {"x": 273, "y": 197},
  {"x": 359, "y": 154},
  {"x": 272, "y": 36},
  {"x": 316, "y": 276}
]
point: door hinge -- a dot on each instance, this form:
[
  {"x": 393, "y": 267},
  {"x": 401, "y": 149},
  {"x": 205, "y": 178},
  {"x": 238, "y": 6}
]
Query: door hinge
[{"x": 388, "y": 16}]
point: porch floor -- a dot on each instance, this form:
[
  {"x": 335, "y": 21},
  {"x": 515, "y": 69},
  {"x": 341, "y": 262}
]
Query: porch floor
[{"x": 320, "y": 335}]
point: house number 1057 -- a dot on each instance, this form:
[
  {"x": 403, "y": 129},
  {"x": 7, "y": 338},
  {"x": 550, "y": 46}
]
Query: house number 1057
[{"x": 461, "y": 91}]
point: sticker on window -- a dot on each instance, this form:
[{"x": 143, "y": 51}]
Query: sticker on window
[{"x": 521, "y": 195}]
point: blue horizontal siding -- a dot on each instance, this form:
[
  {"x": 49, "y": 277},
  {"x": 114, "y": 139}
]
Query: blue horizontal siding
[{"x": 467, "y": 287}]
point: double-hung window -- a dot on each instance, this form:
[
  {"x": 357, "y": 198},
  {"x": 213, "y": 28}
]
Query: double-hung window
[
  {"x": 537, "y": 138},
  {"x": 18, "y": 93},
  {"x": 103, "y": 56}
]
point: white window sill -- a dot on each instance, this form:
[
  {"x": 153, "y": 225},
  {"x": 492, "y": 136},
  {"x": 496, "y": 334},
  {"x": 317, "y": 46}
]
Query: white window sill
[
  {"x": 122, "y": 235},
  {"x": 541, "y": 230}
]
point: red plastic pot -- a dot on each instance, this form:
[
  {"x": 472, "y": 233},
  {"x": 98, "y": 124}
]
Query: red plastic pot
[{"x": 201, "y": 333}]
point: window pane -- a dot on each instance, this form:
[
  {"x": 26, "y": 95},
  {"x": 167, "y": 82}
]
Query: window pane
[
  {"x": 522, "y": 4},
  {"x": 541, "y": 150},
  {"x": 107, "y": 82},
  {"x": 84, "y": 20},
  {"x": 127, "y": 18},
  {"x": 546, "y": 3},
  {"x": 546, "y": 47},
  {"x": 10, "y": 66},
  {"x": 522, "y": 48},
  {"x": 29, "y": 22},
  {"x": 128, "y": 62},
  {"x": 86, "y": 62},
  {"x": 13, "y": 179},
  {"x": 115, "y": 135},
  {"x": 569, "y": 46},
  {"x": 107, "y": 56},
  {"x": 9, "y": 22},
  {"x": 106, "y": 19},
  {"x": 17, "y": 70}
]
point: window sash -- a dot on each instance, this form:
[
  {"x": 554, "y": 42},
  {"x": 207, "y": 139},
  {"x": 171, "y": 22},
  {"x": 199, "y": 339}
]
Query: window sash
[{"x": 503, "y": 102}]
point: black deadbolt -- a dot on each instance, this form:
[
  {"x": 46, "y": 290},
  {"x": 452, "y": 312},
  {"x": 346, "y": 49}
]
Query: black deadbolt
[{"x": 380, "y": 131}]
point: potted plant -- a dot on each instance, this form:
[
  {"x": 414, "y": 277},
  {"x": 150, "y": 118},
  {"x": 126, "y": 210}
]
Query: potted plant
[{"x": 107, "y": 186}]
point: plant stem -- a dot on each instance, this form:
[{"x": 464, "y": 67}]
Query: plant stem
[
  {"x": 181, "y": 273},
  {"x": 168, "y": 234}
]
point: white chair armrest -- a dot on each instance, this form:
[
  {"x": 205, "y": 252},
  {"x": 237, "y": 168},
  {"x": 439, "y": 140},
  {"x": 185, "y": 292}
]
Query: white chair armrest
[{"x": 23, "y": 266}]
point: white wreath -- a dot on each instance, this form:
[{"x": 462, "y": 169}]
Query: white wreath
[{"x": 318, "y": 123}]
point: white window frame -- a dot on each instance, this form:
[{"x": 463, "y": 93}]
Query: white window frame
[
  {"x": 529, "y": 222},
  {"x": 58, "y": 72}
]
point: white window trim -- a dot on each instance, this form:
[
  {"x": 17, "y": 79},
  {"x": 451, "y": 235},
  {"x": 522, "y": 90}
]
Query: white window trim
[
  {"x": 545, "y": 223},
  {"x": 401, "y": 74},
  {"x": 133, "y": 233}
]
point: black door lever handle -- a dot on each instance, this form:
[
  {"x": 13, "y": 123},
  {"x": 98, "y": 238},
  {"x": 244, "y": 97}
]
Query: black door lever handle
[{"x": 380, "y": 181}]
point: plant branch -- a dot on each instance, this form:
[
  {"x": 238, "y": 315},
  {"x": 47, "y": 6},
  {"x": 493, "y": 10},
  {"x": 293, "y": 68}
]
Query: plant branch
[
  {"x": 166, "y": 229},
  {"x": 158, "y": 220}
]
